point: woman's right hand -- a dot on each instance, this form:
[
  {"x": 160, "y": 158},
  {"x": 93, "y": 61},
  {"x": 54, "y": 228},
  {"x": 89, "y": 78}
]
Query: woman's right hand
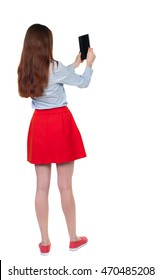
[{"x": 90, "y": 57}]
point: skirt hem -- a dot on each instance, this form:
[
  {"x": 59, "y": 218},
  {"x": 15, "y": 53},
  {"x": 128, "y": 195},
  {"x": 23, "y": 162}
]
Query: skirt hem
[{"x": 57, "y": 162}]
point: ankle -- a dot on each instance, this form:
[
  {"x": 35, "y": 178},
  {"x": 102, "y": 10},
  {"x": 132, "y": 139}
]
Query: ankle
[
  {"x": 74, "y": 238},
  {"x": 45, "y": 242}
]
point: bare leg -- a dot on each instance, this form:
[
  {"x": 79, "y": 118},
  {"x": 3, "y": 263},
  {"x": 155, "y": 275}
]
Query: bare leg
[
  {"x": 43, "y": 173},
  {"x": 65, "y": 172}
]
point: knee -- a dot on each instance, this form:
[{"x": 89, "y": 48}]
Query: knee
[
  {"x": 64, "y": 186},
  {"x": 43, "y": 188}
]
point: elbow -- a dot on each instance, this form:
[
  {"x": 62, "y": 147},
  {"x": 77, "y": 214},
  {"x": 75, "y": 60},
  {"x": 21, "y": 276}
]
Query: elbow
[
  {"x": 84, "y": 82},
  {"x": 84, "y": 85}
]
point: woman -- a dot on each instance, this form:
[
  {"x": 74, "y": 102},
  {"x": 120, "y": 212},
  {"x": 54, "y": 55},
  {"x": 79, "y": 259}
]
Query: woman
[{"x": 53, "y": 136}]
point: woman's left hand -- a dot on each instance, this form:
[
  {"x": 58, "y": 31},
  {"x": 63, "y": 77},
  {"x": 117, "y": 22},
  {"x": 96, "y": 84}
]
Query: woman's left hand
[{"x": 77, "y": 61}]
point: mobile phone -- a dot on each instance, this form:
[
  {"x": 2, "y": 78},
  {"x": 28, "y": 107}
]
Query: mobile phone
[{"x": 84, "y": 44}]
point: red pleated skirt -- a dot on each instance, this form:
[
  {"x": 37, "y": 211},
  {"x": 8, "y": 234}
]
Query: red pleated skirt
[{"x": 54, "y": 137}]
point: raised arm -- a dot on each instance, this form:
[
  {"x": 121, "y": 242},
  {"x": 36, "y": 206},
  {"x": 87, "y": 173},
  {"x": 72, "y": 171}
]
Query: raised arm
[{"x": 67, "y": 75}]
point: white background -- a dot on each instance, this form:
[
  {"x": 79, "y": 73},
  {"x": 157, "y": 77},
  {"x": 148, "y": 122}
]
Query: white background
[{"x": 117, "y": 187}]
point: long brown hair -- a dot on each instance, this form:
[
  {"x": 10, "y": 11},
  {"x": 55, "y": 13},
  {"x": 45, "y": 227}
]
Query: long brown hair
[{"x": 33, "y": 70}]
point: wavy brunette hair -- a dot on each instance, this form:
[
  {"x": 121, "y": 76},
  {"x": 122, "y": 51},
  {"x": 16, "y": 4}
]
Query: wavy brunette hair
[{"x": 33, "y": 70}]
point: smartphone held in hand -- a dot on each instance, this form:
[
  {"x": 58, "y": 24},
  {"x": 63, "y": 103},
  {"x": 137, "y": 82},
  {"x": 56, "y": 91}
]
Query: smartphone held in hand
[{"x": 84, "y": 44}]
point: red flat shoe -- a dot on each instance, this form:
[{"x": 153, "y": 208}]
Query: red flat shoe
[
  {"x": 75, "y": 245},
  {"x": 44, "y": 249}
]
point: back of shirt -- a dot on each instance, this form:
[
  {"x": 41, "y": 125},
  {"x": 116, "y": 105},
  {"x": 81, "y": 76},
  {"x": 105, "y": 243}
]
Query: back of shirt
[{"x": 54, "y": 95}]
